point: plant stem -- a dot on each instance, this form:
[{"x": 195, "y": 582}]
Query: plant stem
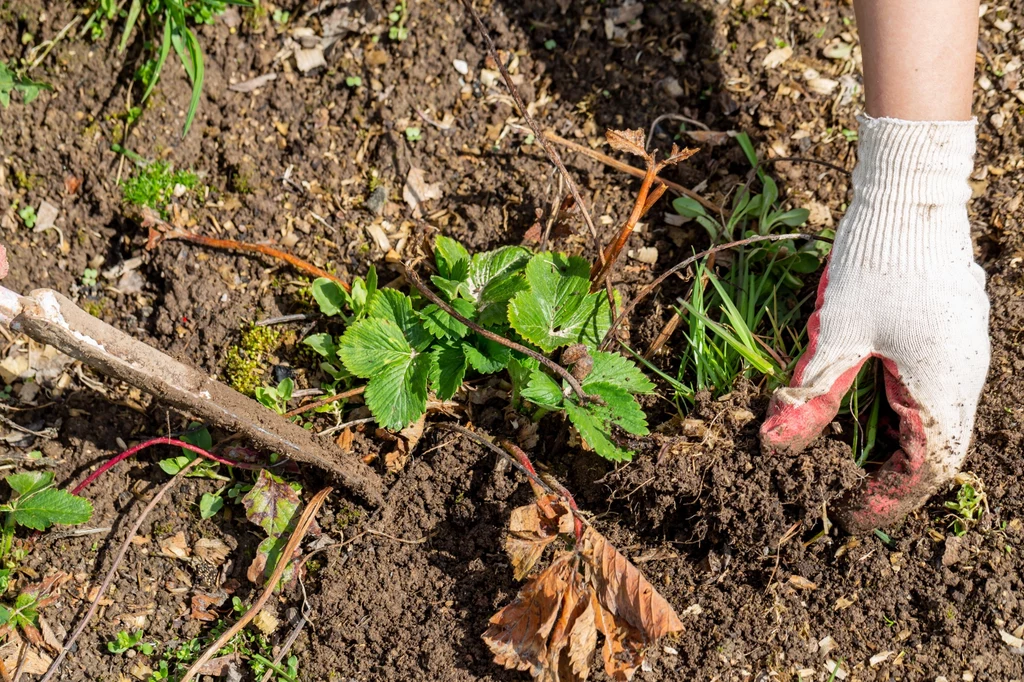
[
  {"x": 156, "y": 236},
  {"x": 163, "y": 440},
  {"x": 537, "y": 132},
  {"x": 415, "y": 280},
  {"x": 610, "y": 338},
  {"x": 611, "y": 252},
  {"x": 307, "y": 517},
  {"x": 524, "y": 459},
  {"x": 358, "y": 390},
  {"x": 113, "y": 568}
]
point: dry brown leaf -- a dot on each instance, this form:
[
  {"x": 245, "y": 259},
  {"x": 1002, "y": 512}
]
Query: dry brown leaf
[
  {"x": 623, "y": 650},
  {"x": 35, "y": 663},
  {"x": 220, "y": 666},
  {"x": 175, "y": 546},
  {"x": 625, "y": 592},
  {"x": 629, "y": 141},
  {"x": 532, "y": 528},
  {"x": 212, "y": 551},
  {"x": 202, "y": 607},
  {"x": 802, "y": 583},
  {"x": 518, "y": 633},
  {"x": 417, "y": 190}
]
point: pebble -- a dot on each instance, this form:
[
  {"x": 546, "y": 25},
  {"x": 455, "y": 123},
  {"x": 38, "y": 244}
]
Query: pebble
[{"x": 461, "y": 66}]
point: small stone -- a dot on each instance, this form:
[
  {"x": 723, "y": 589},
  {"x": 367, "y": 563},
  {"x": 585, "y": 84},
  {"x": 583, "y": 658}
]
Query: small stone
[
  {"x": 672, "y": 87},
  {"x": 461, "y": 66},
  {"x": 308, "y": 59},
  {"x": 375, "y": 202}
]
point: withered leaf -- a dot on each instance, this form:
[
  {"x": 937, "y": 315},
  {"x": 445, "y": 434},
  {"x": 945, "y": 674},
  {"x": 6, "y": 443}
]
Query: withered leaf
[
  {"x": 625, "y": 592},
  {"x": 518, "y": 634},
  {"x": 532, "y": 528},
  {"x": 271, "y": 504},
  {"x": 623, "y": 650},
  {"x": 629, "y": 141},
  {"x": 801, "y": 583}
]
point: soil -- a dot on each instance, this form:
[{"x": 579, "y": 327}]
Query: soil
[{"x": 718, "y": 527}]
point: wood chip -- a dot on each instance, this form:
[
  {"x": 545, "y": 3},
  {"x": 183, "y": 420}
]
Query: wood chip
[
  {"x": 253, "y": 83},
  {"x": 1011, "y": 640},
  {"x": 175, "y": 546},
  {"x": 776, "y": 57}
]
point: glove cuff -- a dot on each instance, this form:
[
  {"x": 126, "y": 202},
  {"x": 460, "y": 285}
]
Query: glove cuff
[{"x": 910, "y": 194}]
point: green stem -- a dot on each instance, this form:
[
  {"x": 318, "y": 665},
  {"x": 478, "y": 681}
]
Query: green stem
[{"x": 277, "y": 668}]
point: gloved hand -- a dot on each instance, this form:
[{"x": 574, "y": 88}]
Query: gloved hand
[{"x": 901, "y": 285}]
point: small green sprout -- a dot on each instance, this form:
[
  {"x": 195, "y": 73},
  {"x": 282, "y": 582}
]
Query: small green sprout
[
  {"x": 353, "y": 81},
  {"x": 970, "y": 505},
  {"x": 413, "y": 134},
  {"x": 28, "y": 216},
  {"x": 123, "y": 642},
  {"x": 89, "y": 276},
  {"x": 550, "y": 44}
]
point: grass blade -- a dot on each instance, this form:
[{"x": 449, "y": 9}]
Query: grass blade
[
  {"x": 129, "y": 24},
  {"x": 196, "y": 55},
  {"x": 165, "y": 48}
]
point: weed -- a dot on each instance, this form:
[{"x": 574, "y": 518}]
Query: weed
[
  {"x": 123, "y": 642},
  {"x": 550, "y": 45},
  {"x": 413, "y": 134},
  {"x": 276, "y": 398},
  {"x": 245, "y": 361},
  {"x": 353, "y": 81},
  {"x": 281, "y": 16},
  {"x": 405, "y": 349},
  {"x": 14, "y": 80},
  {"x": 89, "y": 276},
  {"x": 171, "y": 20},
  {"x": 397, "y": 18},
  {"x": 28, "y": 216},
  {"x": 156, "y": 184},
  {"x": 970, "y": 505}
]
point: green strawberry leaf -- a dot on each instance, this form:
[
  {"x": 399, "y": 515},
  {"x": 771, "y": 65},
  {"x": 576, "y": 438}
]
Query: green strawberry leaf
[
  {"x": 543, "y": 390},
  {"x": 30, "y": 482},
  {"x": 395, "y": 306},
  {"x": 612, "y": 368},
  {"x": 330, "y": 296},
  {"x": 620, "y": 408},
  {"x": 40, "y": 510},
  {"x": 371, "y": 345},
  {"x": 590, "y": 421},
  {"x": 397, "y": 396},
  {"x": 444, "y": 326},
  {"x": 520, "y": 370},
  {"x": 448, "y": 370},
  {"x": 452, "y": 259},
  {"x": 494, "y": 278},
  {"x": 557, "y": 308},
  {"x": 486, "y": 356}
]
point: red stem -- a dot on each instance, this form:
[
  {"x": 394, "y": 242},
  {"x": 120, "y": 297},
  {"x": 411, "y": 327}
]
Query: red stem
[
  {"x": 164, "y": 440},
  {"x": 524, "y": 459}
]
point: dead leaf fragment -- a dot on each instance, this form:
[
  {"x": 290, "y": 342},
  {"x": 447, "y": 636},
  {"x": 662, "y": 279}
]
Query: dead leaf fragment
[
  {"x": 801, "y": 583},
  {"x": 175, "y": 546},
  {"x": 844, "y": 602},
  {"x": 266, "y": 622},
  {"x": 531, "y": 529},
  {"x": 203, "y": 605},
  {"x": 418, "y": 191},
  {"x": 776, "y": 57},
  {"x": 212, "y": 551},
  {"x": 629, "y": 141}
]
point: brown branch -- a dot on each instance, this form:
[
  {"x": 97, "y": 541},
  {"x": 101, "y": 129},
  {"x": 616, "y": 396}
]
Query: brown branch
[
  {"x": 326, "y": 401},
  {"x": 537, "y": 132},
  {"x": 599, "y": 271},
  {"x": 609, "y": 338},
  {"x": 169, "y": 232},
  {"x": 308, "y": 514},
  {"x": 113, "y": 567},
  {"x": 415, "y": 280},
  {"x": 627, "y": 168}
]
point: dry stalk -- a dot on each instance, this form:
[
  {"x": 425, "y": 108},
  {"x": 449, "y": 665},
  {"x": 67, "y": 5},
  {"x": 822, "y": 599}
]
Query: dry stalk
[{"x": 308, "y": 514}]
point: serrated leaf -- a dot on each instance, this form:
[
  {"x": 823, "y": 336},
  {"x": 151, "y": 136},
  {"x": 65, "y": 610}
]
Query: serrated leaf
[
  {"x": 30, "y": 482},
  {"x": 612, "y": 368},
  {"x": 452, "y": 258},
  {"x": 370, "y": 346},
  {"x": 448, "y": 371},
  {"x": 520, "y": 369},
  {"x": 40, "y": 510},
  {"x": 271, "y": 504},
  {"x": 495, "y": 276},
  {"x": 329, "y": 295},
  {"x": 543, "y": 390},
  {"x": 444, "y": 326},
  {"x": 594, "y": 429},
  {"x": 397, "y": 396},
  {"x": 620, "y": 408},
  {"x": 451, "y": 288},
  {"x": 395, "y": 306},
  {"x": 486, "y": 356},
  {"x": 557, "y": 310}
]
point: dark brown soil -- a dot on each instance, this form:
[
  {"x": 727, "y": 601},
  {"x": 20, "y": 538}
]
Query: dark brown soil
[{"x": 716, "y": 526}]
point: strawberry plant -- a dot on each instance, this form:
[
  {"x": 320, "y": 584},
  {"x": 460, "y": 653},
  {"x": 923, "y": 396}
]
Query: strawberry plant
[{"x": 408, "y": 347}]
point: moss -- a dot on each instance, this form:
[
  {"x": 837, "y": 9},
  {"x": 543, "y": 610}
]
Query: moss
[
  {"x": 246, "y": 360},
  {"x": 240, "y": 182},
  {"x": 94, "y": 308},
  {"x": 27, "y": 181},
  {"x": 346, "y": 516},
  {"x": 154, "y": 186}
]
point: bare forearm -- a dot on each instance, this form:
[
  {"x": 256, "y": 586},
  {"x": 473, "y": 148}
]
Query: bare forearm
[{"x": 918, "y": 57}]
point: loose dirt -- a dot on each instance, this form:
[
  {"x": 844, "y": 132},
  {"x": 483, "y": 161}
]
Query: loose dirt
[{"x": 719, "y": 528}]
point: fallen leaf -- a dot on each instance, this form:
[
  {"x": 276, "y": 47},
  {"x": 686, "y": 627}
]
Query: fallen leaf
[
  {"x": 417, "y": 191},
  {"x": 175, "y": 546},
  {"x": 629, "y": 141},
  {"x": 801, "y": 583},
  {"x": 880, "y": 657},
  {"x": 203, "y": 605},
  {"x": 625, "y": 592},
  {"x": 253, "y": 83},
  {"x": 35, "y": 663},
  {"x": 1011, "y": 640},
  {"x": 776, "y": 57},
  {"x": 46, "y": 216},
  {"x": 219, "y": 666},
  {"x": 843, "y": 603},
  {"x": 212, "y": 551},
  {"x": 623, "y": 650},
  {"x": 532, "y": 528},
  {"x": 266, "y": 622}
]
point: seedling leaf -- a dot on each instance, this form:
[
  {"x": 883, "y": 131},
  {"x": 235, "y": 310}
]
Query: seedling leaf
[
  {"x": 330, "y": 296},
  {"x": 40, "y": 510}
]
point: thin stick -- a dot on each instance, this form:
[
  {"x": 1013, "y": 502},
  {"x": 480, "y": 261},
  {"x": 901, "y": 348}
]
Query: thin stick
[
  {"x": 627, "y": 168},
  {"x": 345, "y": 425},
  {"x": 326, "y": 401},
  {"x": 609, "y": 337},
  {"x": 286, "y": 647},
  {"x": 672, "y": 117},
  {"x": 415, "y": 280},
  {"x": 156, "y": 236},
  {"x": 113, "y": 567},
  {"x": 600, "y": 270},
  {"x": 537, "y": 132},
  {"x": 308, "y": 514},
  {"x": 298, "y": 317}
]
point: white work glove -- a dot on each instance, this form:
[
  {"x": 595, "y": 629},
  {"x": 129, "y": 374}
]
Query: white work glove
[{"x": 901, "y": 286}]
